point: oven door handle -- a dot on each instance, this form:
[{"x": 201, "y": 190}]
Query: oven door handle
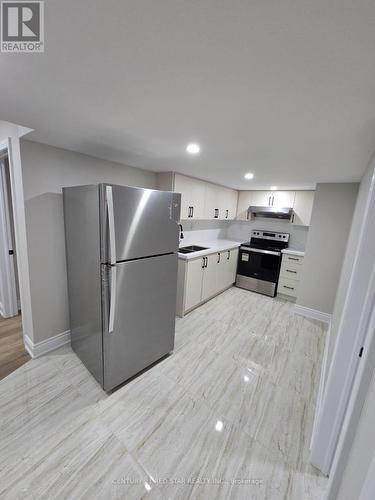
[{"x": 259, "y": 250}]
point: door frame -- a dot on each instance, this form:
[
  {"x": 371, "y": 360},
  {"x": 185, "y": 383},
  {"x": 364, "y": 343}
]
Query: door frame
[
  {"x": 10, "y": 134},
  {"x": 349, "y": 373},
  {"x": 356, "y": 403},
  {"x": 367, "y": 491},
  {"x": 9, "y": 306}
]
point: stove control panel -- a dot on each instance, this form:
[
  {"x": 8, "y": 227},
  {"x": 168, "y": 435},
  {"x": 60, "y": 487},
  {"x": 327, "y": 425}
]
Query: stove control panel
[{"x": 267, "y": 235}]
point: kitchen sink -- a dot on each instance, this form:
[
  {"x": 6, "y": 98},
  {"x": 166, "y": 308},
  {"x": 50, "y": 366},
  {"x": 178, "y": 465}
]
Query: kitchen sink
[{"x": 191, "y": 248}]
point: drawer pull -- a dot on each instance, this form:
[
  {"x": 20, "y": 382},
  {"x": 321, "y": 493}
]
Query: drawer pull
[
  {"x": 288, "y": 287},
  {"x": 290, "y": 271},
  {"x": 293, "y": 258}
]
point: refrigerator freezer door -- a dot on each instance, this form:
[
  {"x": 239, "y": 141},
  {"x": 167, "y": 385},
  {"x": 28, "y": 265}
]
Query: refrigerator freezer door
[
  {"x": 145, "y": 222},
  {"x": 144, "y": 316}
]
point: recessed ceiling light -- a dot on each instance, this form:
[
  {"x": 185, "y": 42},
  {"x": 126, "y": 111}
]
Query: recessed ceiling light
[
  {"x": 249, "y": 176},
  {"x": 193, "y": 148},
  {"x": 273, "y": 188}
]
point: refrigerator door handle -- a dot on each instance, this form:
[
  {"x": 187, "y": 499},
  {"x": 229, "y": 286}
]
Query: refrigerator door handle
[
  {"x": 111, "y": 225},
  {"x": 112, "y": 304}
]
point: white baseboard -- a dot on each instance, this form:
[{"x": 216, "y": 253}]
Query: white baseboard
[
  {"x": 312, "y": 313},
  {"x": 40, "y": 348},
  {"x": 319, "y": 398}
]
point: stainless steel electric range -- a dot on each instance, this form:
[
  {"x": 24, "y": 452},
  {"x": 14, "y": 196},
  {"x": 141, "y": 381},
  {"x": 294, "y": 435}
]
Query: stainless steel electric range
[{"x": 259, "y": 261}]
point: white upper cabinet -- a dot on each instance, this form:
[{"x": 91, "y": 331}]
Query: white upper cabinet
[
  {"x": 200, "y": 199},
  {"x": 261, "y": 198},
  {"x": 244, "y": 201},
  {"x": 230, "y": 205},
  {"x": 302, "y": 208},
  {"x": 283, "y": 199},
  {"x": 221, "y": 202},
  {"x": 300, "y": 201},
  {"x": 212, "y": 207},
  {"x": 193, "y": 192}
]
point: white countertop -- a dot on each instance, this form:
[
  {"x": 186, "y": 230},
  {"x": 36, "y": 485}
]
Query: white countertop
[
  {"x": 290, "y": 251},
  {"x": 213, "y": 246}
]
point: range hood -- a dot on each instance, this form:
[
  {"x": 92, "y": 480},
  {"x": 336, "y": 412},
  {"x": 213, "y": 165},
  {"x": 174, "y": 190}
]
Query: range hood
[{"x": 271, "y": 212}]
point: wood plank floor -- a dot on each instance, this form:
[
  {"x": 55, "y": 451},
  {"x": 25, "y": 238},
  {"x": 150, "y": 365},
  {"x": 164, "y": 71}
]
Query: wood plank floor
[{"x": 12, "y": 350}]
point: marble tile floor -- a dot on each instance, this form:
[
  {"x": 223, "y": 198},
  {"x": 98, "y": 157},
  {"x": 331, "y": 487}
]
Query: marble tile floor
[{"x": 227, "y": 416}]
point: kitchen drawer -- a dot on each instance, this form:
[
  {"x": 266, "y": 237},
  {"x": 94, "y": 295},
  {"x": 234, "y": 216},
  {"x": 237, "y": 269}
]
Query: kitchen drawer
[
  {"x": 287, "y": 287},
  {"x": 292, "y": 259},
  {"x": 290, "y": 270}
]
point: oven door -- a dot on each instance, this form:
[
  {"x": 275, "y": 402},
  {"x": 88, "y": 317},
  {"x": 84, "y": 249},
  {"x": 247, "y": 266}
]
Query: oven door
[{"x": 258, "y": 270}]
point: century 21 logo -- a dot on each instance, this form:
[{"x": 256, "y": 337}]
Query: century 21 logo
[{"x": 22, "y": 26}]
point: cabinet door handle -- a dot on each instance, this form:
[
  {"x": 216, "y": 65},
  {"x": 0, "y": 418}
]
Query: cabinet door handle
[
  {"x": 192, "y": 211},
  {"x": 293, "y": 258},
  {"x": 292, "y": 217},
  {"x": 203, "y": 262},
  {"x": 269, "y": 201},
  {"x": 228, "y": 256},
  {"x": 273, "y": 199},
  {"x": 216, "y": 213},
  {"x": 226, "y": 214},
  {"x": 206, "y": 261},
  {"x": 290, "y": 271},
  {"x": 247, "y": 215},
  {"x": 218, "y": 258},
  {"x": 189, "y": 212},
  {"x": 288, "y": 287}
]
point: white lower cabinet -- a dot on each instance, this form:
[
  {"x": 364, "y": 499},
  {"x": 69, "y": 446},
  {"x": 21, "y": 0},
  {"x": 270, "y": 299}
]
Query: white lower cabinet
[
  {"x": 229, "y": 266},
  {"x": 211, "y": 276},
  {"x": 290, "y": 274},
  {"x": 193, "y": 282},
  {"x": 202, "y": 278}
]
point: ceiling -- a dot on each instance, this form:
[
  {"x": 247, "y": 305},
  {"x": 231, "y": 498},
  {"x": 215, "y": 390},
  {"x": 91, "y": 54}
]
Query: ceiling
[{"x": 285, "y": 90}]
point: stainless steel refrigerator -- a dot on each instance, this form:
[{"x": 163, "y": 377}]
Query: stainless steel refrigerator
[{"x": 121, "y": 246}]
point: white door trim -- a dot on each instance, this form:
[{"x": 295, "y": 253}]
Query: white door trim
[
  {"x": 8, "y": 282},
  {"x": 351, "y": 336},
  {"x": 367, "y": 491},
  {"x": 9, "y": 139},
  {"x": 356, "y": 402}
]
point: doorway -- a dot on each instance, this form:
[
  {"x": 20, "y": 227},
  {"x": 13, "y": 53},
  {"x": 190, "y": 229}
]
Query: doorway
[{"x": 12, "y": 350}]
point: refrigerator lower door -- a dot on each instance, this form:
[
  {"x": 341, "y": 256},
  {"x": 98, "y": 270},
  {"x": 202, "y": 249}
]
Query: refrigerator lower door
[{"x": 144, "y": 316}]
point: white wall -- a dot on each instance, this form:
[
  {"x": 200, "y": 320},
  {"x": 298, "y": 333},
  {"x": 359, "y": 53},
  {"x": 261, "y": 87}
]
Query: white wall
[
  {"x": 349, "y": 257},
  {"x": 45, "y": 171},
  {"x": 329, "y": 230}
]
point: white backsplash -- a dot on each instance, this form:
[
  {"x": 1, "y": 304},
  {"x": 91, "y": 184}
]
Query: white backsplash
[
  {"x": 203, "y": 230},
  {"x": 198, "y": 231}
]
